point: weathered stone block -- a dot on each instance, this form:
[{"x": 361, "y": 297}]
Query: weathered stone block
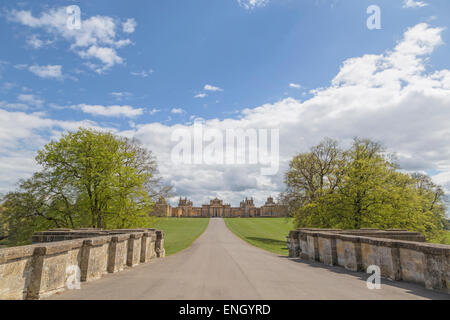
[
  {"x": 350, "y": 253},
  {"x": 293, "y": 245},
  {"x": 436, "y": 272},
  {"x": 49, "y": 269},
  {"x": 134, "y": 249},
  {"x": 159, "y": 245},
  {"x": 312, "y": 247},
  {"x": 412, "y": 265},
  {"x": 94, "y": 258},
  {"x": 15, "y": 272},
  {"x": 327, "y": 250},
  {"x": 118, "y": 251},
  {"x": 304, "y": 247},
  {"x": 147, "y": 246},
  {"x": 380, "y": 254}
]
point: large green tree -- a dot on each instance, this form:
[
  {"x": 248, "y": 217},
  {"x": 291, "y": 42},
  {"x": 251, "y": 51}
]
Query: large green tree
[
  {"x": 365, "y": 189},
  {"x": 88, "y": 179}
]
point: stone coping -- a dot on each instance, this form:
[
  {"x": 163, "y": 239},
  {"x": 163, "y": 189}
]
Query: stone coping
[
  {"x": 97, "y": 241},
  {"x": 47, "y": 248},
  {"x": 53, "y": 248},
  {"x": 136, "y": 235},
  {"x": 120, "y": 237},
  {"x": 431, "y": 248},
  {"x": 13, "y": 253}
]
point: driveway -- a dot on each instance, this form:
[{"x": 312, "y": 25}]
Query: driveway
[{"x": 220, "y": 265}]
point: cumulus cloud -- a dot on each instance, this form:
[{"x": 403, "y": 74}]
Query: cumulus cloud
[
  {"x": 414, "y": 4},
  {"x": 143, "y": 73},
  {"x": 21, "y": 134},
  {"x": 111, "y": 111},
  {"x": 209, "y": 87},
  {"x": 121, "y": 95},
  {"x": 30, "y": 99},
  {"x": 96, "y": 39},
  {"x": 200, "y": 95},
  {"x": 17, "y": 106},
  {"x": 294, "y": 85},
  {"x": 251, "y": 4},
  {"x": 36, "y": 43},
  {"x": 389, "y": 97},
  {"x": 177, "y": 111},
  {"x": 129, "y": 26},
  {"x": 108, "y": 56},
  {"x": 49, "y": 71},
  {"x": 154, "y": 111}
]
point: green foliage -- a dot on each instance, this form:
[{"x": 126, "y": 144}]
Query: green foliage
[
  {"x": 446, "y": 238},
  {"x": 363, "y": 189},
  {"x": 88, "y": 179}
]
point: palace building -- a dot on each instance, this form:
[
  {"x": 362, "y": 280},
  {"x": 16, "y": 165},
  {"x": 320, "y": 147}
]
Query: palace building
[{"x": 216, "y": 208}]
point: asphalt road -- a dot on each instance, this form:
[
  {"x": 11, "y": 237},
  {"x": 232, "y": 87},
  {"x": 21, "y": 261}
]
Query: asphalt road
[{"x": 219, "y": 265}]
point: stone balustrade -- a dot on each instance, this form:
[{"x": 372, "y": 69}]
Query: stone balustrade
[
  {"x": 44, "y": 268},
  {"x": 401, "y": 255}
]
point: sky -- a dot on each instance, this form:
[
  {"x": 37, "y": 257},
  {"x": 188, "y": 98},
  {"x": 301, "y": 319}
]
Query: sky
[{"x": 310, "y": 69}]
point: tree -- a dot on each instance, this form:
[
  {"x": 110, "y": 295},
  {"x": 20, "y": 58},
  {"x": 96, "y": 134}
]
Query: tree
[
  {"x": 314, "y": 173},
  {"x": 88, "y": 179},
  {"x": 369, "y": 192}
]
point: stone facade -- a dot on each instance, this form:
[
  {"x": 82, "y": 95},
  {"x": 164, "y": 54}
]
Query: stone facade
[
  {"x": 44, "y": 268},
  {"x": 216, "y": 208},
  {"x": 401, "y": 255}
]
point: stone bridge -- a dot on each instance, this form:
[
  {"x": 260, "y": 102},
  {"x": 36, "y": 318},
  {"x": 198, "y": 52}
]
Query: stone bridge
[{"x": 219, "y": 265}]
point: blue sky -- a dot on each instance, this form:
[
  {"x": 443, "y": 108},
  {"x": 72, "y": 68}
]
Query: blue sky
[{"x": 167, "y": 62}]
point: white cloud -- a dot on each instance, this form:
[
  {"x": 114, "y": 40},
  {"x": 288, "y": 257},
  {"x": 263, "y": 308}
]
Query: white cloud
[
  {"x": 414, "y": 4},
  {"x": 49, "y": 71},
  {"x": 108, "y": 56},
  {"x": 177, "y": 111},
  {"x": 121, "y": 95},
  {"x": 16, "y": 106},
  {"x": 20, "y": 66},
  {"x": 129, "y": 26},
  {"x": 387, "y": 97},
  {"x": 143, "y": 73},
  {"x": 35, "y": 42},
  {"x": 390, "y": 97},
  {"x": 251, "y": 4},
  {"x": 30, "y": 99},
  {"x": 111, "y": 111},
  {"x": 154, "y": 111},
  {"x": 21, "y": 134},
  {"x": 97, "y": 38},
  {"x": 200, "y": 95},
  {"x": 295, "y": 85},
  {"x": 209, "y": 87}
]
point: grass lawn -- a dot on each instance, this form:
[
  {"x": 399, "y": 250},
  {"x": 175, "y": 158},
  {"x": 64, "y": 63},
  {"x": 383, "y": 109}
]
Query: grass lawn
[
  {"x": 266, "y": 233},
  {"x": 180, "y": 233},
  {"x": 447, "y": 238}
]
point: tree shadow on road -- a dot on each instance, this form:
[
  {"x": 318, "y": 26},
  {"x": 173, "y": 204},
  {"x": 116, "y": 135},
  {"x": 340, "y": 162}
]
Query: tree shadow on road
[{"x": 412, "y": 288}]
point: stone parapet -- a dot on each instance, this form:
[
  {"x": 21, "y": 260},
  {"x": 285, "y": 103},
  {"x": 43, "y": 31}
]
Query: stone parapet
[
  {"x": 59, "y": 256},
  {"x": 398, "y": 257}
]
